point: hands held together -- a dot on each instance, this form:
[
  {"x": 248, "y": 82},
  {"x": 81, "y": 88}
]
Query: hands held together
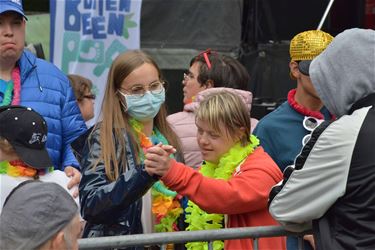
[{"x": 157, "y": 159}]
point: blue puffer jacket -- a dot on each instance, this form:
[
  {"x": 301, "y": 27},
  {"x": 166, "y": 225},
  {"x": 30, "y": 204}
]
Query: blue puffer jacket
[{"x": 47, "y": 90}]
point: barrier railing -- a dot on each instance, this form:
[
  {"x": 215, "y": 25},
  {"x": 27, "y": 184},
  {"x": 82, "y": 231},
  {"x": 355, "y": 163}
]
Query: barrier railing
[{"x": 162, "y": 239}]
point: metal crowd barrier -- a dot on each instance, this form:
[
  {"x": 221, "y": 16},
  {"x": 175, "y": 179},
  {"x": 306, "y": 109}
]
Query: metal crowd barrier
[{"x": 162, "y": 239}]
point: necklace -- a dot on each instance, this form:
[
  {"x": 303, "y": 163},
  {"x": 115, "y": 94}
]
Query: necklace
[
  {"x": 19, "y": 168},
  {"x": 201, "y": 220},
  {"x": 7, "y": 94},
  {"x": 301, "y": 109},
  {"x": 165, "y": 203},
  {"x": 14, "y": 86}
]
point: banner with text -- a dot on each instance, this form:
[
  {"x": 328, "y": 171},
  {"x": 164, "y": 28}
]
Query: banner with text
[{"x": 87, "y": 35}]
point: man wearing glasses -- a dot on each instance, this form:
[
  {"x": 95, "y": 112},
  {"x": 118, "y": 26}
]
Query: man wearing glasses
[{"x": 283, "y": 132}]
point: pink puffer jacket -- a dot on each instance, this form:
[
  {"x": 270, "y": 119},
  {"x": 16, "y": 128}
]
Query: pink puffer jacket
[{"x": 183, "y": 123}]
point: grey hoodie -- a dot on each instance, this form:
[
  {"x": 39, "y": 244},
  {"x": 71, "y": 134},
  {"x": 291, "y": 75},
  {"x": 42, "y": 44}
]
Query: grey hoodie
[
  {"x": 331, "y": 186},
  {"x": 345, "y": 73}
]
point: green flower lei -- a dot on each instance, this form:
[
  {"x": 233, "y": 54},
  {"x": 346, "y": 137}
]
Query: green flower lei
[
  {"x": 7, "y": 94},
  {"x": 199, "y": 219}
]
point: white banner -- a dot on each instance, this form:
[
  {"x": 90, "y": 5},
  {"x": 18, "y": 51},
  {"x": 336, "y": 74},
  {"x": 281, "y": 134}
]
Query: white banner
[{"x": 87, "y": 35}]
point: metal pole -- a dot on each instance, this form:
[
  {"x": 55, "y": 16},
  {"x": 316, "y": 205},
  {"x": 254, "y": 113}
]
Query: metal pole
[
  {"x": 210, "y": 245},
  {"x": 325, "y": 14},
  {"x": 256, "y": 244},
  {"x": 182, "y": 237}
]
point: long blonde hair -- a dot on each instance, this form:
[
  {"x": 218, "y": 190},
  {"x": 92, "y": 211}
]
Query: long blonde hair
[{"x": 115, "y": 121}]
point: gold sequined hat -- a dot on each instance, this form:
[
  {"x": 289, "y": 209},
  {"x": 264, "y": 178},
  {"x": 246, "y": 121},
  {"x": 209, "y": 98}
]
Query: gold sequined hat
[{"x": 307, "y": 45}]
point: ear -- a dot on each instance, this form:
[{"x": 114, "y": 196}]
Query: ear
[
  {"x": 58, "y": 241},
  {"x": 294, "y": 71},
  {"x": 240, "y": 133},
  {"x": 209, "y": 84}
]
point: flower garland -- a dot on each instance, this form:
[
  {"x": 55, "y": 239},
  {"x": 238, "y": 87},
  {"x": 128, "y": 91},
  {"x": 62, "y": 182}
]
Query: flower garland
[
  {"x": 7, "y": 94},
  {"x": 14, "y": 86},
  {"x": 16, "y": 76},
  {"x": 165, "y": 203},
  {"x": 201, "y": 220},
  {"x": 303, "y": 110},
  {"x": 19, "y": 168}
]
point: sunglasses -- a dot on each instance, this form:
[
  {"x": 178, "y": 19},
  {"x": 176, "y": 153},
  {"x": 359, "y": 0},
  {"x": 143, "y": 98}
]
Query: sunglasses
[
  {"x": 205, "y": 55},
  {"x": 310, "y": 123}
]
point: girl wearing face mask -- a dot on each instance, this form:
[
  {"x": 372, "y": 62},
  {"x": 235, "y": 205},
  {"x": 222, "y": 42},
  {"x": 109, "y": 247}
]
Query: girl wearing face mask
[{"x": 115, "y": 189}]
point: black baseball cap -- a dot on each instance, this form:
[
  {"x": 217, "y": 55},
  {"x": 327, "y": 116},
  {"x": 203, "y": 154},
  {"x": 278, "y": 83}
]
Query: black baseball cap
[{"x": 26, "y": 131}]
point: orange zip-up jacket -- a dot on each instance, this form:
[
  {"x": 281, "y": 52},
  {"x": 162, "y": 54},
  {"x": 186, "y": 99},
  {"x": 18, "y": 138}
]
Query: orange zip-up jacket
[{"x": 243, "y": 198}]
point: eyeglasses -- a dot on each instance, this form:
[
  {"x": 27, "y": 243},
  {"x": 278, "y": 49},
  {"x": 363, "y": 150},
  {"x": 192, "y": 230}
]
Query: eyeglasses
[
  {"x": 92, "y": 96},
  {"x": 310, "y": 123},
  {"x": 188, "y": 76},
  {"x": 140, "y": 90}
]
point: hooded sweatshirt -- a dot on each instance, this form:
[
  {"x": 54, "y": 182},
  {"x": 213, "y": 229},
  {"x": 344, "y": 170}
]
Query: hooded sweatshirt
[
  {"x": 345, "y": 73},
  {"x": 331, "y": 187}
]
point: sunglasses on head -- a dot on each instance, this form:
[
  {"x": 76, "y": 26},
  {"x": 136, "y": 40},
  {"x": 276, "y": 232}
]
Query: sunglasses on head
[{"x": 205, "y": 55}]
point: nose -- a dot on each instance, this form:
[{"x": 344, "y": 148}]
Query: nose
[
  {"x": 7, "y": 29},
  {"x": 202, "y": 139}
]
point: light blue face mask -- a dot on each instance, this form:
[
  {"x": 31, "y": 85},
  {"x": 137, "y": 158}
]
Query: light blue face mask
[{"x": 143, "y": 108}]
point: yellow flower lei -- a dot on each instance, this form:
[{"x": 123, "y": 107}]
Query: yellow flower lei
[{"x": 195, "y": 216}]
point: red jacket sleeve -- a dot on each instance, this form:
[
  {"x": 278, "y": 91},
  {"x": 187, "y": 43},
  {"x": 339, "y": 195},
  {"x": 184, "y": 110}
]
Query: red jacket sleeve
[{"x": 246, "y": 191}]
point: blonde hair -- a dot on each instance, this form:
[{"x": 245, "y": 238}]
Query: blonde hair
[
  {"x": 226, "y": 112},
  {"x": 115, "y": 121}
]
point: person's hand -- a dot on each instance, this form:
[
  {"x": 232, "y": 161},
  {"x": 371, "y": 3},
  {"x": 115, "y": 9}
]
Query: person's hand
[
  {"x": 75, "y": 176},
  {"x": 310, "y": 239},
  {"x": 157, "y": 159}
]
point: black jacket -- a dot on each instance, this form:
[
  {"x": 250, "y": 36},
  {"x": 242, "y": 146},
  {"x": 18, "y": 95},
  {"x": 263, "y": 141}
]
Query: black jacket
[
  {"x": 332, "y": 183},
  {"x": 111, "y": 208}
]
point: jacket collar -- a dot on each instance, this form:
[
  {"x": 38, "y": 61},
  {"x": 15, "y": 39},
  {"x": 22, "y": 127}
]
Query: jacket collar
[
  {"x": 364, "y": 102},
  {"x": 26, "y": 64}
]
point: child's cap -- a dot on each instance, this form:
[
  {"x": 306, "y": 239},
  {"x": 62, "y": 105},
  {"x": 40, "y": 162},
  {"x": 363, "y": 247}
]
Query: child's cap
[{"x": 26, "y": 131}]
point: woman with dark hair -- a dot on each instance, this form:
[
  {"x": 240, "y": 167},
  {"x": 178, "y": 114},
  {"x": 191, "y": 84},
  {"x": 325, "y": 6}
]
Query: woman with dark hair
[{"x": 208, "y": 72}]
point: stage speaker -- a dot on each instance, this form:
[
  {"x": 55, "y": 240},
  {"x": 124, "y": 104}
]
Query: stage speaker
[
  {"x": 174, "y": 94},
  {"x": 268, "y": 65}
]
